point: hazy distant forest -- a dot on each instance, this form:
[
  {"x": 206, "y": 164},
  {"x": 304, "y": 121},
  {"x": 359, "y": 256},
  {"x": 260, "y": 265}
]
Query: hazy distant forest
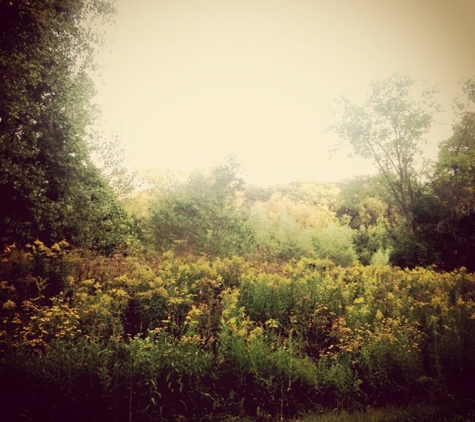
[{"x": 163, "y": 297}]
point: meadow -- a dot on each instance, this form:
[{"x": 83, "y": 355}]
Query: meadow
[{"x": 166, "y": 337}]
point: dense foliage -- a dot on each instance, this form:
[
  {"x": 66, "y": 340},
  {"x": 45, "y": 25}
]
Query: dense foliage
[
  {"x": 49, "y": 188},
  {"x": 408, "y": 215},
  {"x": 389, "y": 129},
  {"x": 447, "y": 213},
  {"x": 430, "y": 210},
  {"x": 136, "y": 338},
  {"x": 201, "y": 297}
]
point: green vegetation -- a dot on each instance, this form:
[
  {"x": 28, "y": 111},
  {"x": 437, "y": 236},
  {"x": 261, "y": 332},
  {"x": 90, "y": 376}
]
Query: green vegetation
[
  {"x": 49, "y": 188},
  {"x": 203, "y": 298},
  {"x": 141, "y": 338}
]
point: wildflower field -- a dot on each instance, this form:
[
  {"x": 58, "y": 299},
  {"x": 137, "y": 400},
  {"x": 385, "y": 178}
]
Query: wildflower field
[{"x": 137, "y": 338}]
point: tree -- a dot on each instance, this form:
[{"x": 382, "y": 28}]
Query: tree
[
  {"x": 335, "y": 242},
  {"x": 454, "y": 181},
  {"x": 450, "y": 230},
  {"x": 49, "y": 188},
  {"x": 363, "y": 204},
  {"x": 202, "y": 215},
  {"x": 389, "y": 129}
]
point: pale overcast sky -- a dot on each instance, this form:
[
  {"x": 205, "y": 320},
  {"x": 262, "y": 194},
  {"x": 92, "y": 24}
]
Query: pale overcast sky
[{"x": 188, "y": 82}]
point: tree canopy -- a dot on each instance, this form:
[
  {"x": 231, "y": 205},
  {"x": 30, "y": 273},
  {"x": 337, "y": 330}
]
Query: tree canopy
[
  {"x": 49, "y": 188},
  {"x": 389, "y": 128},
  {"x": 450, "y": 215}
]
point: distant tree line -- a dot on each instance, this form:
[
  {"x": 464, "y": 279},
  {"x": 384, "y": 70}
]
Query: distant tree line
[{"x": 408, "y": 215}]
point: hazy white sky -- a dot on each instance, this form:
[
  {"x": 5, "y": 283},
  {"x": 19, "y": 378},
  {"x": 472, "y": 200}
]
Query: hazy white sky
[{"x": 189, "y": 81}]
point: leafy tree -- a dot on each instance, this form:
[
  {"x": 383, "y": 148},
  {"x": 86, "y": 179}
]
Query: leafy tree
[
  {"x": 389, "y": 129},
  {"x": 320, "y": 195},
  {"x": 334, "y": 242},
  {"x": 49, "y": 188},
  {"x": 202, "y": 215},
  {"x": 286, "y": 223},
  {"x": 363, "y": 204},
  {"x": 362, "y": 201},
  {"x": 278, "y": 232},
  {"x": 448, "y": 215},
  {"x": 455, "y": 171}
]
